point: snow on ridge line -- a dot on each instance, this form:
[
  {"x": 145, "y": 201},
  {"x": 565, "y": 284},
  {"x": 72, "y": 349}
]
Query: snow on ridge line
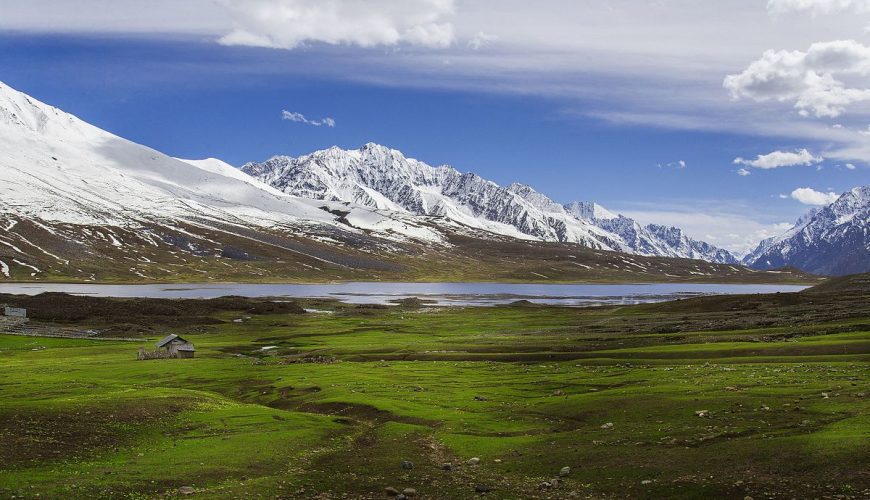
[
  {"x": 59, "y": 168},
  {"x": 381, "y": 177}
]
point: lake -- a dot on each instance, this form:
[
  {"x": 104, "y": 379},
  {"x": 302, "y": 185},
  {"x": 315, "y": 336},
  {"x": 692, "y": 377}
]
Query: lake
[{"x": 442, "y": 294}]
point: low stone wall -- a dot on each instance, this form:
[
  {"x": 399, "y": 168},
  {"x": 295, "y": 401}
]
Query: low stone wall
[{"x": 143, "y": 355}]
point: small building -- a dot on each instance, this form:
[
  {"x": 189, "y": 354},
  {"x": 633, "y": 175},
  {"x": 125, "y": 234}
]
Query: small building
[
  {"x": 14, "y": 312},
  {"x": 176, "y": 347}
]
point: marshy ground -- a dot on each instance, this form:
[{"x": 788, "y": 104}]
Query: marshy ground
[{"x": 716, "y": 397}]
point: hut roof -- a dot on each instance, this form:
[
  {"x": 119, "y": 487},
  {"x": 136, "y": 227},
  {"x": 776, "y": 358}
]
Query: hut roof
[
  {"x": 186, "y": 347},
  {"x": 168, "y": 339}
]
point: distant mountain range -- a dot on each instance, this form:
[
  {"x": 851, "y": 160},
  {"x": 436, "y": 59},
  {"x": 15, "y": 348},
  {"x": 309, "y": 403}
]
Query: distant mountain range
[
  {"x": 77, "y": 202},
  {"x": 379, "y": 177},
  {"x": 832, "y": 240}
]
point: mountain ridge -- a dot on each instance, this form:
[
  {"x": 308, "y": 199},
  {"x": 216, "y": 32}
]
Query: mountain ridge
[
  {"x": 382, "y": 177},
  {"x": 78, "y": 203},
  {"x": 831, "y": 240}
]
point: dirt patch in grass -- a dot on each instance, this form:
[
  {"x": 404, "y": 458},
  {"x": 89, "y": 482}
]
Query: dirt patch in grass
[
  {"x": 31, "y": 436},
  {"x": 362, "y": 412}
]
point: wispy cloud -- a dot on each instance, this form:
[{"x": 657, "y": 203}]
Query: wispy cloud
[
  {"x": 481, "y": 40},
  {"x": 601, "y": 58},
  {"x": 738, "y": 233},
  {"x": 809, "y": 196},
  {"x": 778, "y": 159},
  {"x": 300, "y": 118},
  {"x": 679, "y": 164},
  {"x": 817, "y": 7}
]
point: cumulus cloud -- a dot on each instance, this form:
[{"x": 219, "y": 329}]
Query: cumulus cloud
[
  {"x": 812, "y": 80},
  {"x": 816, "y": 7},
  {"x": 809, "y": 196},
  {"x": 286, "y": 24},
  {"x": 779, "y": 159},
  {"x": 300, "y": 118},
  {"x": 742, "y": 172}
]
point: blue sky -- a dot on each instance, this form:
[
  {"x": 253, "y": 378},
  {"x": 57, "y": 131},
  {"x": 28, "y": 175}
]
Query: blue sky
[{"x": 643, "y": 125}]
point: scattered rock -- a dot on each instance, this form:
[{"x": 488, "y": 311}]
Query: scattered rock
[
  {"x": 558, "y": 392},
  {"x": 608, "y": 425},
  {"x": 409, "y": 493},
  {"x": 473, "y": 461},
  {"x": 186, "y": 490},
  {"x": 646, "y": 481},
  {"x": 407, "y": 464},
  {"x": 564, "y": 471},
  {"x": 391, "y": 492},
  {"x": 481, "y": 398},
  {"x": 703, "y": 413},
  {"x": 765, "y": 407},
  {"x": 482, "y": 488},
  {"x": 554, "y": 482},
  {"x": 447, "y": 466},
  {"x": 825, "y": 395}
]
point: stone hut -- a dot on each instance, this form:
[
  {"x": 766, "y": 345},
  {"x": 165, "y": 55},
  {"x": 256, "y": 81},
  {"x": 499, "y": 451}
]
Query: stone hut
[{"x": 176, "y": 347}]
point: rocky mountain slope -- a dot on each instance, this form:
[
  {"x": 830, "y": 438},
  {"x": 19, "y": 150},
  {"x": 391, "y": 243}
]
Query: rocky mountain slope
[
  {"x": 79, "y": 203},
  {"x": 380, "y": 177},
  {"x": 833, "y": 240},
  {"x": 71, "y": 191}
]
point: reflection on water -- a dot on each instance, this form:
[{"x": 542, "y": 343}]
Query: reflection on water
[{"x": 460, "y": 294}]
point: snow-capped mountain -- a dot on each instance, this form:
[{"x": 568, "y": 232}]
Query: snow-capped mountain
[
  {"x": 79, "y": 203},
  {"x": 80, "y": 186},
  {"x": 833, "y": 240},
  {"x": 380, "y": 177}
]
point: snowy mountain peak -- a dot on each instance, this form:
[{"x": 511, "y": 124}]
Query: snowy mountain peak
[
  {"x": 60, "y": 170},
  {"x": 383, "y": 178},
  {"x": 21, "y": 111},
  {"x": 829, "y": 240}
]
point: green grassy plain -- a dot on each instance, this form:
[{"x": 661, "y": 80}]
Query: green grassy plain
[{"x": 338, "y": 400}]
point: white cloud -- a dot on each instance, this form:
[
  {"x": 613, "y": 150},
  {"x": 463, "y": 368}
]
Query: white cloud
[
  {"x": 605, "y": 59},
  {"x": 816, "y": 7},
  {"x": 808, "y": 79},
  {"x": 286, "y": 24},
  {"x": 779, "y": 159},
  {"x": 809, "y": 196},
  {"x": 735, "y": 232},
  {"x": 481, "y": 40},
  {"x": 679, "y": 164},
  {"x": 300, "y": 118},
  {"x": 742, "y": 172},
  {"x": 850, "y": 166}
]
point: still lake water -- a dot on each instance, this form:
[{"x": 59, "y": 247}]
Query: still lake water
[{"x": 461, "y": 294}]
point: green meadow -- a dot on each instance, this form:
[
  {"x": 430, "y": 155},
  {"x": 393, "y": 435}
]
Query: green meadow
[{"x": 717, "y": 397}]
